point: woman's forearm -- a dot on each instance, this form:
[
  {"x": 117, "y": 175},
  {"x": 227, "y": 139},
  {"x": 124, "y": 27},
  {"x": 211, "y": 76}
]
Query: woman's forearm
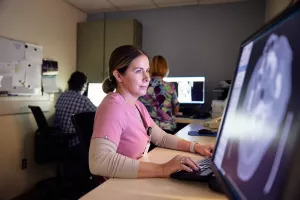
[
  {"x": 150, "y": 170},
  {"x": 104, "y": 161},
  {"x": 204, "y": 150},
  {"x": 183, "y": 145},
  {"x": 162, "y": 139}
]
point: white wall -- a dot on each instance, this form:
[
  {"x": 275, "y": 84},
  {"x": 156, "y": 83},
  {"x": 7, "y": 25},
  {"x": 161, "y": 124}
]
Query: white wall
[
  {"x": 273, "y": 7},
  {"x": 52, "y": 24}
]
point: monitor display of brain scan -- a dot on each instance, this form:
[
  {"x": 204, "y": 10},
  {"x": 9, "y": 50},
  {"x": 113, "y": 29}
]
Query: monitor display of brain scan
[{"x": 262, "y": 113}]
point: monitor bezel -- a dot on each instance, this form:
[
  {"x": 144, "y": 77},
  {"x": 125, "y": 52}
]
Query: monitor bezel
[{"x": 290, "y": 190}]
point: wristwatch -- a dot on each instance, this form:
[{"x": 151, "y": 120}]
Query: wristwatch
[{"x": 192, "y": 147}]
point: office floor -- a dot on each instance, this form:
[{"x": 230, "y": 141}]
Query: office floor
[
  {"x": 50, "y": 191},
  {"x": 67, "y": 194}
]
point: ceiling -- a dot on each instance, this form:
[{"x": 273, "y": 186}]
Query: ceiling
[{"x": 90, "y": 6}]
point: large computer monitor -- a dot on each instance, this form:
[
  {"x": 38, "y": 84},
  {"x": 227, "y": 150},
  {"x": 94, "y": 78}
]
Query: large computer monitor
[
  {"x": 190, "y": 90},
  {"x": 257, "y": 150},
  {"x": 95, "y": 93}
]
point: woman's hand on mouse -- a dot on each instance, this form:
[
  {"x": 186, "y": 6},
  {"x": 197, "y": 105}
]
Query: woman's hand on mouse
[
  {"x": 204, "y": 150},
  {"x": 179, "y": 163}
]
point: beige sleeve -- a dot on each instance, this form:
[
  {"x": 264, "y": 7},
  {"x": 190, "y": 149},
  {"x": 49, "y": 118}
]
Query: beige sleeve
[
  {"x": 163, "y": 139},
  {"x": 104, "y": 161}
]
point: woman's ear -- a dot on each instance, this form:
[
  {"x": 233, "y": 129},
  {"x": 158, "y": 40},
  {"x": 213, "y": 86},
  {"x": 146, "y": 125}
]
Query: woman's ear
[{"x": 117, "y": 76}]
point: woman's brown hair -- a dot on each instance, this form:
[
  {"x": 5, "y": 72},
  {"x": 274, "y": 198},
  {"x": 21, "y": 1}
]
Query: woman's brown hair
[
  {"x": 119, "y": 60},
  {"x": 158, "y": 66}
]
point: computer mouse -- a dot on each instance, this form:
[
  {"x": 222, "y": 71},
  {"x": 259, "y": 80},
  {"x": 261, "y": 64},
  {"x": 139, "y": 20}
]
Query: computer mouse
[{"x": 205, "y": 131}]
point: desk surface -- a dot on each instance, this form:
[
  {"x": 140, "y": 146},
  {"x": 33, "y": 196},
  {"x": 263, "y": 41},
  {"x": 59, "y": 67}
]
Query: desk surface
[
  {"x": 158, "y": 188},
  {"x": 184, "y": 120}
]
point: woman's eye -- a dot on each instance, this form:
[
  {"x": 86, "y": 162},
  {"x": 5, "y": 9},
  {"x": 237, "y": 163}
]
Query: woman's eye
[{"x": 138, "y": 71}]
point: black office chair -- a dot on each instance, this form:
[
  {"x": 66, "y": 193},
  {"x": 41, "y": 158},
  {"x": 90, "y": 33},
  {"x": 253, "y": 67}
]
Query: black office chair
[
  {"x": 83, "y": 124},
  {"x": 50, "y": 145},
  {"x": 39, "y": 117},
  {"x": 49, "y": 142}
]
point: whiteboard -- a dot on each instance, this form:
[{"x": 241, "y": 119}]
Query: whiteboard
[{"x": 20, "y": 67}]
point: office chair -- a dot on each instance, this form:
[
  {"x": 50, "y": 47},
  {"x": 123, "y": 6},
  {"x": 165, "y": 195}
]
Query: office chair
[
  {"x": 84, "y": 124},
  {"x": 50, "y": 145},
  {"x": 42, "y": 143},
  {"x": 39, "y": 117}
]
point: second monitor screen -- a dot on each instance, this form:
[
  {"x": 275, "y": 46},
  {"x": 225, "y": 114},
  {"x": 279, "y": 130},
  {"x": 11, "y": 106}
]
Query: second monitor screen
[{"x": 189, "y": 89}]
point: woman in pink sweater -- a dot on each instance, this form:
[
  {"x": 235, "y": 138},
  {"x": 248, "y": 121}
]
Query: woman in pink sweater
[{"x": 123, "y": 127}]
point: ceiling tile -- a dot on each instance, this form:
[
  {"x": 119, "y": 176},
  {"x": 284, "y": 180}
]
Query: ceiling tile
[
  {"x": 101, "y": 10},
  {"x": 186, "y": 3},
  {"x": 218, "y": 1},
  {"x": 88, "y": 5},
  {"x": 124, "y": 5},
  {"x": 171, "y": 1},
  {"x": 131, "y": 3},
  {"x": 137, "y": 8}
]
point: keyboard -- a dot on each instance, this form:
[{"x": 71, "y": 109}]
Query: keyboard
[
  {"x": 204, "y": 163},
  {"x": 202, "y": 175}
]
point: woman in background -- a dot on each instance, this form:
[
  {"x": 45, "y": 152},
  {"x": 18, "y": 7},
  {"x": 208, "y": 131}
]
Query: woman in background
[{"x": 161, "y": 97}]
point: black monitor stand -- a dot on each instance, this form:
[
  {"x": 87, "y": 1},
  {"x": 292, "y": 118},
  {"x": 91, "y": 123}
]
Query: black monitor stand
[
  {"x": 214, "y": 185},
  {"x": 194, "y": 111}
]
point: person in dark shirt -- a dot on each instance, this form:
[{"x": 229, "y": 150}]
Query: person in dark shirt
[{"x": 72, "y": 102}]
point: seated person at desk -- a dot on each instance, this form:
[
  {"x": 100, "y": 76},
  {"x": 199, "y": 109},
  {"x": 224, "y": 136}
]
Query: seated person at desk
[
  {"x": 161, "y": 97},
  {"x": 123, "y": 127},
  {"x": 72, "y": 102}
]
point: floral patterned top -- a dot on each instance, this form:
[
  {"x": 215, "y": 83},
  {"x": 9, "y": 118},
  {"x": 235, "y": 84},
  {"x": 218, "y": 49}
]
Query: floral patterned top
[{"x": 160, "y": 100}]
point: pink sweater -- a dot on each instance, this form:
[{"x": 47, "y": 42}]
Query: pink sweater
[{"x": 121, "y": 123}]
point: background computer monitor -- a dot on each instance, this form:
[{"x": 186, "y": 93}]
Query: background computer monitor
[
  {"x": 257, "y": 150},
  {"x": 95, "y": 93},
  {"x": 190, "y": 90}
]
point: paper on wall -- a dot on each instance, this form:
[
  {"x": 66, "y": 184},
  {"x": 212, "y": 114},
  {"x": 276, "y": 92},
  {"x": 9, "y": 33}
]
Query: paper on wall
[
  {"x": 49, "y": 84},
  {"x": 6, "y": 69},
  {"x": 33, "y": 53},
  {"x": 18, "y": 78},
  {"x": 11, "y": 50},
  {"x": 33, "y": 75}
]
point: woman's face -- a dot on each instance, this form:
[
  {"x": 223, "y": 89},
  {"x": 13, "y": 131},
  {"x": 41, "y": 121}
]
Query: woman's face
[{"x": 136, "y": 78}]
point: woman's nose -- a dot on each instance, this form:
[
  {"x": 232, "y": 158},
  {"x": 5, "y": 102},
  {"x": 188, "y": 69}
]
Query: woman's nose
[{"x": 146, "y": 76}]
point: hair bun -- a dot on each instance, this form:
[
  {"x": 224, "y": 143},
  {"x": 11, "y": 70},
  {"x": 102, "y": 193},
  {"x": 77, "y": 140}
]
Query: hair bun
[{"x": 109, "y": 84}]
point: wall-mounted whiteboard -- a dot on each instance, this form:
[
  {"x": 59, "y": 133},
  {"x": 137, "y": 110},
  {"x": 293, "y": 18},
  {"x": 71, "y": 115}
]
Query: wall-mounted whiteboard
[{"x": 20, "y": 67}]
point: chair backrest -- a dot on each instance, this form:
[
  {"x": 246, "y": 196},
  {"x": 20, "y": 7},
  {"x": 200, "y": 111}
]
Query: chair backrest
[
  {"x": 84, "y": 124},
  {"x": 47, "y": 146},
  {"x": 39, "y": 117}
]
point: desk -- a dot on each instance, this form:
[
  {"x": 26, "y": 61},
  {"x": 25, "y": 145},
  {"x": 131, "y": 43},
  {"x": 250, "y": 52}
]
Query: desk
[
  {"x": 184, "y": 120},
  {"x": 158, "y": 188}
]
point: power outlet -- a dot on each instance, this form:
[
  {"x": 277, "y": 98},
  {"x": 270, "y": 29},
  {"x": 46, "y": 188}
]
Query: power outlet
[{"x": 24, "y": 163}]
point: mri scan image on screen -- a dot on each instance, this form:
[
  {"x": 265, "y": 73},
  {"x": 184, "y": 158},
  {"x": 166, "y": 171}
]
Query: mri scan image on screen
[
  {"x": 253, "y": 146},
  {"x": 269, "y": 86},
  {"x": 190, "y": 90}
]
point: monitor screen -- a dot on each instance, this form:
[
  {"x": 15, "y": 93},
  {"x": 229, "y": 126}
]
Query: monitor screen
[
  {"x": 95, "y": 93},
  {"x": 190, "y": 90},
  {"x": 259, "y": 127}
]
